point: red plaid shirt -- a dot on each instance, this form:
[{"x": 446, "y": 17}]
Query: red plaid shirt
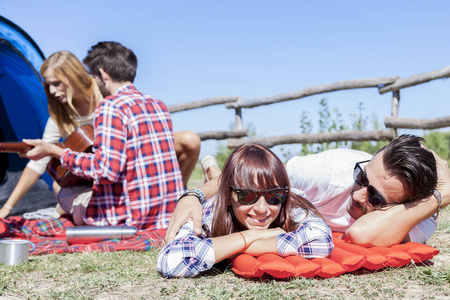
[{"x": 135, "y": 170}]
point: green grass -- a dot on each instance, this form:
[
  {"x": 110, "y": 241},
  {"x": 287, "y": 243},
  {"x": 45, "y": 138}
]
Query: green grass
[{"x": 133, "y": 275}]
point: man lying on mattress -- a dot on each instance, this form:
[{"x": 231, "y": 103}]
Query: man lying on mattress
[{"x": 392, "y": 197}]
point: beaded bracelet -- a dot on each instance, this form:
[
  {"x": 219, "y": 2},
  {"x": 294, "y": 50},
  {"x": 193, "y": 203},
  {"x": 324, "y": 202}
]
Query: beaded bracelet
[
  {"x": 439, "y": 200},
  {"x": 193, "y": 192},
  {"x": 8, "y": 206}
]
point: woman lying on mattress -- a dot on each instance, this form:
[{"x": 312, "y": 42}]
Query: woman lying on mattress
[{"x": 254, "y": 213}]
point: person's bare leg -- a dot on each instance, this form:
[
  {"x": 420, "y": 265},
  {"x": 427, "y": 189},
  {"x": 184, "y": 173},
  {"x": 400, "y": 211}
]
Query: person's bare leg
[
  {"x": 56, "y": 188},
  {"x": 58, "y": 211},
  {"x": 187, "y": 147}
]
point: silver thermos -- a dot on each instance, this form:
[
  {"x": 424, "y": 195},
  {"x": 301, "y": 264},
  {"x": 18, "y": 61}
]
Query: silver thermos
[{"x": 90, "y": 234}]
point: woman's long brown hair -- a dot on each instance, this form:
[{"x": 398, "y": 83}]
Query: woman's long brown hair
[
  {"x": 254, "y": 166},
  {"x": 71, "y": 72}
]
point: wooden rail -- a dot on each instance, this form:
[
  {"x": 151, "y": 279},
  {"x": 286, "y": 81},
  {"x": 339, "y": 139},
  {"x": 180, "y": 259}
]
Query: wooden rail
[
  {"x": 222, "y": 135},
  {"x": 417, "y": 123},
  {"x": 315, "y": 90},
  {"x": 342, "y": 136},
  {"x": 415, "y": 80},
  {"x": 384, "y": 84},
  {"x": 201, "y": 103}
]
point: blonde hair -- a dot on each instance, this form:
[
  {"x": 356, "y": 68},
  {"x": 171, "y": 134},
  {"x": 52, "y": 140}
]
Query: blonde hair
[{"x": 71, "y": 72}]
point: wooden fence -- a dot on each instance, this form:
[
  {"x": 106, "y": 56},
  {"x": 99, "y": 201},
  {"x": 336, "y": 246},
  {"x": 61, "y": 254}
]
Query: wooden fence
[{"x": 383, "y": 84}]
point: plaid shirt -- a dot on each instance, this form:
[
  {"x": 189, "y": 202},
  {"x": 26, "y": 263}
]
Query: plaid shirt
[
  {"x": 189, "y": 254},
  {"x": 135, "y": 170}
]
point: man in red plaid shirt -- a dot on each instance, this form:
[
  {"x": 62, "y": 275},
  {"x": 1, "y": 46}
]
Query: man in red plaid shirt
[{"x": 134, "y": 168}]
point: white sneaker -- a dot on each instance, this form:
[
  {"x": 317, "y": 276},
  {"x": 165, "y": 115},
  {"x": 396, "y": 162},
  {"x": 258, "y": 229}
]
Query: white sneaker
[
  {"x": 45, "y": 213},
  {"x": 207, "y": 162}
]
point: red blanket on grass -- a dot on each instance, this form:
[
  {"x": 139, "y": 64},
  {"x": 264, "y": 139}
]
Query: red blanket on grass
[{"x": 49, "y": 236}]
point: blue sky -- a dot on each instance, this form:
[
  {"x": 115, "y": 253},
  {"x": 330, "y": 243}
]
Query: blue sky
[{"x": 192, "y": 50}]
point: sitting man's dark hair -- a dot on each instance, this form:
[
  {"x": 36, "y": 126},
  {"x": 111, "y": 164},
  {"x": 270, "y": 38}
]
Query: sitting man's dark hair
[
  {"x": 412, "y": 164},
  {"x": 116, "y": 60}
]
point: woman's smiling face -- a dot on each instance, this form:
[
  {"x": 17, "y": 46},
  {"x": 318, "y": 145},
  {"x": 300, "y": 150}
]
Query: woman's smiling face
[{"x": 255, "y": 216}]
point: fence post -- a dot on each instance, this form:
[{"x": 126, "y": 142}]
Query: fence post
[
  {"x": 238, "y": 116},
  {"x": 238, "y": 119},
  {"x": 395, "y": 105}
]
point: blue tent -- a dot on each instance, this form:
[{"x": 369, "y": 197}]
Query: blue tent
[{"x": 23, "y": 103}]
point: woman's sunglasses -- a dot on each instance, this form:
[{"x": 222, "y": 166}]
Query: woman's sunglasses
[
  {"x": 360, "y": 177},
  {"x": 273, "y": 196}
]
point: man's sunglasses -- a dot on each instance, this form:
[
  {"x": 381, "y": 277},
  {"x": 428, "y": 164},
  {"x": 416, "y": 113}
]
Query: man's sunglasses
[
  {"x": 360, "y": 177},
  {"x": 273, "y": 196}
]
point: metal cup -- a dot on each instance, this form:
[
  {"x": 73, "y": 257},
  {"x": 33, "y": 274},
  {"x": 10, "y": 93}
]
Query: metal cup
[{"x": 13, "y": 252}]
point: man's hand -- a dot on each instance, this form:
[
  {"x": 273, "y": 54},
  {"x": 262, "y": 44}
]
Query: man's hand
[
  {"x": 187, "y": 209},
  {"x": 41, "y": 149},
  {"x": 443, "y": 185},
  {"x": 385, "y": 227}
]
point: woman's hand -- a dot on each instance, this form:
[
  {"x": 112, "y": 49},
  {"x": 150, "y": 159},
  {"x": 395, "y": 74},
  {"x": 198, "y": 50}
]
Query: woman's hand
[
  {"x": 253, "y": 241},
  {"x": 253, "y": 235},
  {"x": 262, "y": 241}
]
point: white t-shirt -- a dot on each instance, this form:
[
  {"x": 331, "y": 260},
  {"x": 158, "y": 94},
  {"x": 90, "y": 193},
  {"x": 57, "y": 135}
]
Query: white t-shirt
[
  {"x": 52, "y": 135},
  {"x": 326, "y": 180}
]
